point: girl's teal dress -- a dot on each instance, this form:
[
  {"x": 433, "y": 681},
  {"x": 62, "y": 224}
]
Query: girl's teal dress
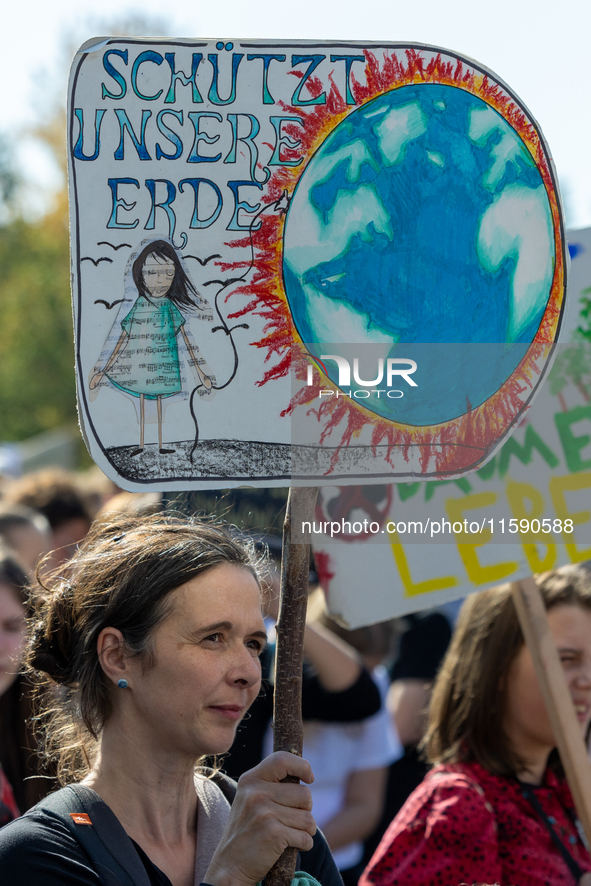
[{"x": 148, "y": 364}]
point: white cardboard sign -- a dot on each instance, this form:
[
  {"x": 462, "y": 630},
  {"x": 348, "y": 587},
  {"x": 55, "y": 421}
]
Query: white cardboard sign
[{"x": 288, "y": 258}]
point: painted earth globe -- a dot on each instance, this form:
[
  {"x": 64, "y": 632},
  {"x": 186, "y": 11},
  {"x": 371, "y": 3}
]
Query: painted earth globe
[{"x": 421, "y": 228}]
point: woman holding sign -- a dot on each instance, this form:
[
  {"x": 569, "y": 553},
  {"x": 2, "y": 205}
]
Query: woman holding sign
[
  {"x": 496, "y": 808},
  {"x": 149, "y": 644}
]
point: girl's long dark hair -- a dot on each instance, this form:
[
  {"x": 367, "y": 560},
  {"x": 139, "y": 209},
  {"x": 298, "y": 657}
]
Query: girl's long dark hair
[{"x": 182, "y": 289}]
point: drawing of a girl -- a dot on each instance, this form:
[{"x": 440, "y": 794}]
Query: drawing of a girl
[{"x": 145, "y": 359}]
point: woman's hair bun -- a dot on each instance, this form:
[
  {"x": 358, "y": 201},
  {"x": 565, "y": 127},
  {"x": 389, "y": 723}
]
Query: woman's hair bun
[{"x": 51, "y": 647}]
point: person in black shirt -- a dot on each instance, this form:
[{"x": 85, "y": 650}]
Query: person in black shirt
[
  {"x": 336, "y": 688},
  {"x": 149, "y": 642}
]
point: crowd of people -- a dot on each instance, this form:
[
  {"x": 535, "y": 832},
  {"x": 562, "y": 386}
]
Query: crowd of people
[{"x": 136, "y": 696}]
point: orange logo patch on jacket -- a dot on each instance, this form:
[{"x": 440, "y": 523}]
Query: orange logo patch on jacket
[{"x": 80, "y": 818}]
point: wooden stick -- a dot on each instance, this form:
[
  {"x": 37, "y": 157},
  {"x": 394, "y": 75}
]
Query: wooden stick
[
  {"x": 288, "y": 729},
  {"x": 565, "y": 726}
]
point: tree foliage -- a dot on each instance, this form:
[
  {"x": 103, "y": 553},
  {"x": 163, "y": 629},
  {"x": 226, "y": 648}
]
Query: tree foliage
[{"x": 37, "y": 388}]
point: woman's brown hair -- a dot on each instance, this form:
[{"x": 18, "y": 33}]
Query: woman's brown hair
[
  {"x": 121, "y": 577},
  {"x": 469, "y": 697}
]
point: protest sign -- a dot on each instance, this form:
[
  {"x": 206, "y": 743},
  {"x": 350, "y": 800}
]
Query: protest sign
[{"x": 288, "y": 257}]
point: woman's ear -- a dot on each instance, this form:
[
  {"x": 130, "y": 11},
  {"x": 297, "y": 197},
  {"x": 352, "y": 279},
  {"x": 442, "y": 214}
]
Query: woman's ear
[{"x": 111, "y": 653}]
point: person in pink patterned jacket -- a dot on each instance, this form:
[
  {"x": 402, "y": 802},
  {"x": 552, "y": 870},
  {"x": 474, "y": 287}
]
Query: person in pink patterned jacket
[
  {"x": 496, "y": 808},
  {"x": 8, "y": 808}
]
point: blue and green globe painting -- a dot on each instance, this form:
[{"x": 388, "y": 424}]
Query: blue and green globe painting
[{"x": 422, "y": 218}]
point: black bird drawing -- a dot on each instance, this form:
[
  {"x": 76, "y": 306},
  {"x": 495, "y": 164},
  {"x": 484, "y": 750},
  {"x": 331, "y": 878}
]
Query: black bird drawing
[
  {"x": 204, "y": 261},
  {"x": 98, "y": 260},
  {"x": 101, "y": 301},
  {"x": 112, "y": 245},
  {"x": 224, "y": 283}
]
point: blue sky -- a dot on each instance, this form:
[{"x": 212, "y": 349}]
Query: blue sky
[{"x": 540, "y": 49}]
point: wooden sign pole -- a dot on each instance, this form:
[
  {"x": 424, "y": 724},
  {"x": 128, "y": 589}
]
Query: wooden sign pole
[
  {"x": 536, "y": 630},
  {"x": 288, "y": 729}
]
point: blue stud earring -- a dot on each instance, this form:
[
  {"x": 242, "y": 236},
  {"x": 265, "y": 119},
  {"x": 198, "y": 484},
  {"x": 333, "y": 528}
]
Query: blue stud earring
[{"x": 122, "y": 684}]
